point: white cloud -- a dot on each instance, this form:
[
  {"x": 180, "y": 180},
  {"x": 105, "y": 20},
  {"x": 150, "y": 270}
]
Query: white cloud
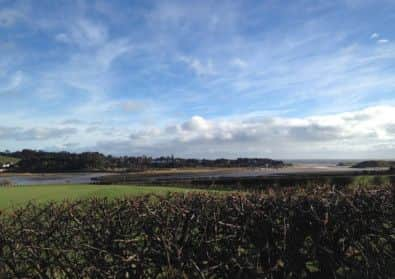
[
  {"x": 196, "y": 123},
  {"x": 200, "y": 68},
  {"x": 377, "y": 36},
  {"x": 383, "y": 41},
  {"x": 350, "y": 134},
  {"x": 363, "y": 133}
]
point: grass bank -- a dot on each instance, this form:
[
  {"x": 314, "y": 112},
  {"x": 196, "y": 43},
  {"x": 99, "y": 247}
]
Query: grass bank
[{"x": 21, "y": 195}]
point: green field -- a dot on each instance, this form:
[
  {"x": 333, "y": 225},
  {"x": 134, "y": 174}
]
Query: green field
[{"x": 18, "y": 196}]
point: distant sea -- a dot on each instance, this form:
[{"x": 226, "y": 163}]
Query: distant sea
[{"x": 320, "y": 161}]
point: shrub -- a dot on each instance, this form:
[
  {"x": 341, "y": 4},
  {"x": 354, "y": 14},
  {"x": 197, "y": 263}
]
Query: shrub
[{"x": 306, "y": 234}]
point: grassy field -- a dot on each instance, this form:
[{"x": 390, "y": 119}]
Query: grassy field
[{"x": 19, "y": 196}]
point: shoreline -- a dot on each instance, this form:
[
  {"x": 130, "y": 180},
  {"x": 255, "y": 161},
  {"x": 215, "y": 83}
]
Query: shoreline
[{"x": 185, "y": 174}]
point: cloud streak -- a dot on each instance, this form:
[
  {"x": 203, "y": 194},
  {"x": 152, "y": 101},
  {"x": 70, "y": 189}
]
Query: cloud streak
[
  {"x": 199, "y": 67},
  {"x": 188, "y": 78},
  {"x": 34, "y": 134},
  {"x": 14, "y": 81}
]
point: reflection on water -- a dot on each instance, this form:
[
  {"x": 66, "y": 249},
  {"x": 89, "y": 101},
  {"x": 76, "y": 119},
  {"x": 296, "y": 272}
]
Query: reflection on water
[{"x": 56, "y": 178}]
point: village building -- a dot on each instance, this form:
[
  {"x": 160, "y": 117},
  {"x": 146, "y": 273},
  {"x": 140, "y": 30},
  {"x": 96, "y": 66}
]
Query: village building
[{"x": 4, "y": 167}]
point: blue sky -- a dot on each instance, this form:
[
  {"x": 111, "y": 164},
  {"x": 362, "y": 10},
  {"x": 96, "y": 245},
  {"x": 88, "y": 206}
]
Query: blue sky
[{"x": 282, "y": 79}]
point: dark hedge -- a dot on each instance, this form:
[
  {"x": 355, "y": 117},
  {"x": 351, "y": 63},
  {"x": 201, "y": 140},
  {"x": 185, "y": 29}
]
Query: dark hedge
[{"x": 289, "y": 234}]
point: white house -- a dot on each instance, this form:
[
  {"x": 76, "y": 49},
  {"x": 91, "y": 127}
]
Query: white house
[{"x": 5, "y": 166}]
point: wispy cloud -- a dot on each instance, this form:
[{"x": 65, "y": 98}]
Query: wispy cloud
[
  {"x": 199, "y": 67},
  {"x": 383, "y": 41},
  {"x": 132, "y": 105},
  {"x": 35, "y": 134},
  {"x": 378, "y": 39},
  {"x": 195, "y": 73},
  {"x": 11, "y": 83},
  {"x": 84, "y": 33}
]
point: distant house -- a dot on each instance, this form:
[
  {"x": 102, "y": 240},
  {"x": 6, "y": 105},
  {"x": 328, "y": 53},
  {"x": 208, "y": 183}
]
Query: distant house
[{"x": 5, "y": 166}]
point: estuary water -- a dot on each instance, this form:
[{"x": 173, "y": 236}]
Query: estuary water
[
  {"x": 51, "y": 178},
  {"x": 298, "y": 167}
]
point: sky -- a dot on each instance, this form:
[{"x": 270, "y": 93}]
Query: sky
[{"x": 279, "y": 79}]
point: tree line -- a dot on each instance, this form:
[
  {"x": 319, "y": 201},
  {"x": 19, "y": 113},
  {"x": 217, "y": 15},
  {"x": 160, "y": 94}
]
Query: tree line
[{"x": 38, "y": 161}]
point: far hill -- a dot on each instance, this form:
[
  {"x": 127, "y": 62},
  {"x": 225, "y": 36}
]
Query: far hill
[
  {"x": 40, "y": 161},
  {"x": 375, "y": 164}
]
